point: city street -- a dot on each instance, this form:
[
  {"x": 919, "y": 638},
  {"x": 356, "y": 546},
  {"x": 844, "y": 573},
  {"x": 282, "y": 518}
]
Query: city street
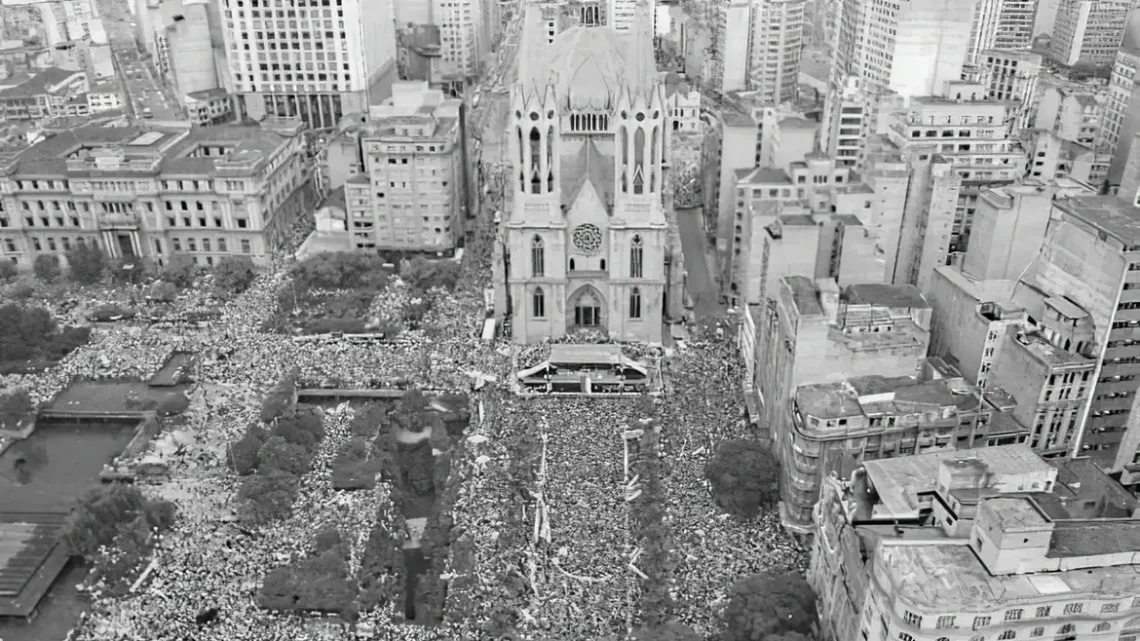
[
  {"x": 144, "y": 90},
  {"x": 700, "y": 264}
]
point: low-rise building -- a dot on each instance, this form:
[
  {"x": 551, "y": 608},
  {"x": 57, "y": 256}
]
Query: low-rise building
[
  {"x": 209, "y": 107},
  {"x": 156, "y": 191},
  {"x": 45, "y": 95},
  {"x": 991, "y": 543}
]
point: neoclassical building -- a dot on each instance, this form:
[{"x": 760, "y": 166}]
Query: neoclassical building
[{"x": 588, "y": 236}]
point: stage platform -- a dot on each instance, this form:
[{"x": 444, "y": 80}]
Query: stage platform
[{"x": 589, "y": 369}]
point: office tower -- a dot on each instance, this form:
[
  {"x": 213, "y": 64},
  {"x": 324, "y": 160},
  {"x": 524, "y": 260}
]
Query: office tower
[
  {"x": 463, "y": 42},
  {"x": 1001, "y": 24},
  {"x": 911, "y": 48},
  {"x": 775, "y": 41},
  {"x": 588, "y": 237},
  {"x": 409, "y": 196},
  {"x": 1122, "y": 121},
  {"x": 734, "y": 37},
  {"x": 1089, "y": 31},
  {"x": 991, "y": 543},
  {"x": 204, "y": 192},
  {"x": 313, "y": 60}
]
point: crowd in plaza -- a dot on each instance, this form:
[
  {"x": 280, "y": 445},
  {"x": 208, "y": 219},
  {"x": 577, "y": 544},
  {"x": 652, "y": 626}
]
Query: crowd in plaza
[{"x": 542, "y": 502}]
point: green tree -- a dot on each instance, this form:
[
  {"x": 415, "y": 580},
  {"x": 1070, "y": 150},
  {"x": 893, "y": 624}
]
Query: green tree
[
  {"x": 234, "y": 274},
  {"x": 101, "y": 514},
  {"x": 341, "y": 270},
  {"x": 182, "y": 271},
  {"x": 672, "y": 631},
  {"x": 86, "y": 263},
  {"x": 423, "y": 274},
  {"x": 8, "y": 270},
  {"x": 266, "y": 497},
  {"x": 279, "y": 454},
  {"x": 16, "y": 407},
  {"x": 744, "y": 477},
  {"x": 763, "y": 605},
  {"x": 46, "y": 268}
]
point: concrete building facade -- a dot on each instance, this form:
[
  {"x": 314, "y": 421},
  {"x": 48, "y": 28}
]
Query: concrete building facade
[
  {"x": 409, "y": 195},
  {"x": 155, "y": 192},
  {"x": 1089, "y": 31},
  {"x": 335, "y": 60}
]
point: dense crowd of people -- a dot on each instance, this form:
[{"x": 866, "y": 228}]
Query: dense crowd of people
[{"x": 567, "y": 575}]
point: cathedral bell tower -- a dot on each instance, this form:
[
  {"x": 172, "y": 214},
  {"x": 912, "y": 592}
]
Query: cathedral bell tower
[{"x": 536, "y": 137}]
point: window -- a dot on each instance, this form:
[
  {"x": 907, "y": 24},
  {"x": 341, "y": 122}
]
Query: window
[
  {"x": 537, "y": 257},
  {"x": 1008, "y": 634},
  {"x": 1037, "y": 632},
  {"x": 538, "y": 303},
  {"x": 1066, "y": 629},
  {"x": 222, "y": 244},
  {"x": 903, "y": 636},
  {"x": 1013, "y": 615},
  {"x": 191, "y": 245},
  {"x": 1110, "y": 607},
  {"x": 157, "y": 246},
  {"x": 1074, "y": 608},
  {"x": 636, "y": 258},
  {"x": 635, "y": 312},
  {"x": 245, "y": 246},
  {"x": 1102, "y": 626},
  {"x": 981, "y": 622},
  {"x": 945, "y": 623},
  {"x": 1043, "y": 611},
  {"x": 177, "y": 244}
]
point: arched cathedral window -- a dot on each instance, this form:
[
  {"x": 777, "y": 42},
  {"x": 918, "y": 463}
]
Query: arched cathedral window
[
  {"x": 537, "y": 257},
  {"x": 635, "y": 303},
  {"x": 538, "y": 303},
  {"x": 636, "y": 258}
]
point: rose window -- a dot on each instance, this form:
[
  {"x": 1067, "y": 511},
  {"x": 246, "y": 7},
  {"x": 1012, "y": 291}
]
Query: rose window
[{"x": 587, "y": 239}]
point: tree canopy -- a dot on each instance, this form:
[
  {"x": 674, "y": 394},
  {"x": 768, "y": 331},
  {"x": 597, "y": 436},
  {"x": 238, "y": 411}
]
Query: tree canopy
[
  {"x": 764, "y": 606},
  {"x": 744, "y": 477}
]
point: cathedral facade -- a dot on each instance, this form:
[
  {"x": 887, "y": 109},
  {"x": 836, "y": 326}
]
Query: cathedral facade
[{"x": 587, "y": 236}]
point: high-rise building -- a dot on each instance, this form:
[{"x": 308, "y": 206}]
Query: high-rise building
[
  {"x": 1001, "y": 24},
  {"x": 1089, "y": 31},
  {"x": 464, "y": 43},
  {"x": 775, "y": 41},
  {"x": 991, "y": 543},
  {"x": 588, "y": 236},
  {"x": 1011, "y": 75},
  {"x": 314, "y": 60},
  {"x": 622, "y": 15},
  {"x": 911, "y": 48},
  {"x": 1122, "y": 122}
]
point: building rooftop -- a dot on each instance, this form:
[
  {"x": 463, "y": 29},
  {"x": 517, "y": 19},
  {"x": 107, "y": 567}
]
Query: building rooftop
[
  {"x": 765, "y": 176},
  {"x": 796, "y": 220},
  {"x": 899, "y": 481},
  {"x": 795, "y": 122},
  {"x": 948, "y": 576},
  {"x": 882, "y": 395},
  {"x": 849, "y": 220},
  {"x": 1050, "y": 354},
  {"x": 1016, "y": 513},
  {"x": 737, "y": 119},
  {"x": 39, "y": 84},
  {"x": 1109, "y": 214},
  {"x": 178, "y": 147},
  {"x": 805, "y": 294},
  {"x": 881, "y": 295}
]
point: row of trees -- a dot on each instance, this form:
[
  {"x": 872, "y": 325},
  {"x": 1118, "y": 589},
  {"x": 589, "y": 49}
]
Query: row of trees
[
  {"x": 318, "y": 582},
  {"x": 88, "y": 265}
]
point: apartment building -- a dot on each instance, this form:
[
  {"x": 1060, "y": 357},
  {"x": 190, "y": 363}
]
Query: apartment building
[
  {"x": 726, "y": 152},
  {"x": 463, "y": 41},
  {"x": 45, "y": 95},
  {"x": 156, "y": 191},
  {"x": 409, "y": 195},
  {"x": 1089, "y": 31},
  {"x": 314, "y": 60},
  {"x": 1000, "y": 24},
  {"x": 1012, "y": 76},
  {"x": 811, "y": 331},
  {"x": 1122, "y": 121},
  {"x": 1010, "y": 223},
  {"x": 104, "y": 96},
  {"x": 835, "y": 426},
  {"x": 971, "y": 132},
  {"x": 775, "y": 42},
  {"x": 209, "y": 107},
  {"x": 987, "y": 543}
]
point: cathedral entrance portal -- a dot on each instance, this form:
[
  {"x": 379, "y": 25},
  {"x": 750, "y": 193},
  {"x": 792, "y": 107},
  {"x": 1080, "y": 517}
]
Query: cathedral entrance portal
[{"x": 589, "y": 309}]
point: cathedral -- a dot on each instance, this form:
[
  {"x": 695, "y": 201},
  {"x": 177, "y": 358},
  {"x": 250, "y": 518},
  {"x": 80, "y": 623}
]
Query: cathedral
[{"x": 589, "y": 244}]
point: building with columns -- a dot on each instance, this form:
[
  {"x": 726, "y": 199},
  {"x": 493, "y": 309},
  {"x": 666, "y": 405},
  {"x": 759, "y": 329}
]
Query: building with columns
[
  {"x": 155, "y": 191},
  {"x": 588, "y": 237}
]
